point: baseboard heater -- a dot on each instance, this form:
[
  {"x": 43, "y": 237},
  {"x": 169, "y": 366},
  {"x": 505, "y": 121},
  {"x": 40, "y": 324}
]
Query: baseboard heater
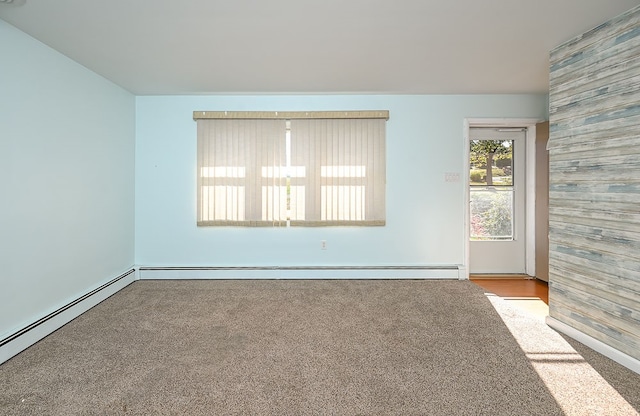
[
  {"x": 301, "y": 272},
  {"x": 32, "y": 333}
]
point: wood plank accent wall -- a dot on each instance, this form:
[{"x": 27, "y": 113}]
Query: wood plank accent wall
[{"x": 594, "y": 198}]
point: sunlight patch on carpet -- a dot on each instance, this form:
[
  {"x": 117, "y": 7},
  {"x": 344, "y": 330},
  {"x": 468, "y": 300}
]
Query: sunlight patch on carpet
[{"x": 576, "y": 386}]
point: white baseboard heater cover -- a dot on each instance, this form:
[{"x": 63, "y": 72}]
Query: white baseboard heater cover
[
  {"x": 34, "y": 332},
  {"x": 302, "y": 272}
]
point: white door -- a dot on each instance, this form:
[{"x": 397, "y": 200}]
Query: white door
[{"x": 497, "y": 201}]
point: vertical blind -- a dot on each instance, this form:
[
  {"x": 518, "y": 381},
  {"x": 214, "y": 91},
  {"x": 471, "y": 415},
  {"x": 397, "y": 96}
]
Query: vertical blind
[
  {"x": 291, "y": 171},
  {"x": 345, "y": 160},
  {"x": 241, "y": 165}
]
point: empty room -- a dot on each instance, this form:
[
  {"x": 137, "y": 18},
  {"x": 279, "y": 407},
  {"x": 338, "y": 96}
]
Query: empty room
[{"x": 340, "y": 207}]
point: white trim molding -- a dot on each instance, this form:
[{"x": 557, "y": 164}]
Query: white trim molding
[
  {"x": 599, "y": 346},
  {"x": 530, "y": 198},
  {"x": 34, "y": 332},
  {"x": 301, "y": 272}
]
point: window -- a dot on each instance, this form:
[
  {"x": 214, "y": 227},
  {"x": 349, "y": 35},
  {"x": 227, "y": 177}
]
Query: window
[
  {"x": 241, "y": 164},
  {"x": 297, "y": 169},
  {"x": 491, "y": 185}
]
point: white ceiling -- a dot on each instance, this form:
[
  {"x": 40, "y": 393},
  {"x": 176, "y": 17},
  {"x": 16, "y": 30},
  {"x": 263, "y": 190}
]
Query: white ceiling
[{"x": 305, "y": 46}]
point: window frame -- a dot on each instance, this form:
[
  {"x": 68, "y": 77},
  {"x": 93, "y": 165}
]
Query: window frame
[{"x": 293, "y": 180}]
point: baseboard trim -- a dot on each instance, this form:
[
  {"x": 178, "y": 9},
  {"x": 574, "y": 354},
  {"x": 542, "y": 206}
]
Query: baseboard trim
[
  {"x": 596, "y": 345},
  {"x": 505, "y": 276},
  {"x": 301, "y": 272},
  {"x": 34, "y": 332}
]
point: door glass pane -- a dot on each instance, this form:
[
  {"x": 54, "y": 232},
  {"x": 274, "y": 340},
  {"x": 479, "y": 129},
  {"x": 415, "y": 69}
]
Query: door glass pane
[
  {"x": 491, "y": 163},
  {"x": 491, "y": 213},
  {"x": 491, "y": 190}
]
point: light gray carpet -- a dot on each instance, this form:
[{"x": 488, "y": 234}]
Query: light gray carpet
[{"x": 283, "y": 347}]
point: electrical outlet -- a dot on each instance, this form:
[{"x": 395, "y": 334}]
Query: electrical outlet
[{"x": 323, "y": 244}]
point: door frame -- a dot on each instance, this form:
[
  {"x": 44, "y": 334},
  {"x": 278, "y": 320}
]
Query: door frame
[{"x": 530, "y": 185}]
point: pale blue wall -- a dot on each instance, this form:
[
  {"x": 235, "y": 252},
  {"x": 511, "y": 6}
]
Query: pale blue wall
[
  {"x": 66, "y": 180},
  {"x": 424, "y": 213},
  {"x": 68, "y": 139}
]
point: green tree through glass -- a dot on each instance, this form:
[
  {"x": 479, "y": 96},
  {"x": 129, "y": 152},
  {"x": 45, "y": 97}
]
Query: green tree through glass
[
  {"x": 491, "y": 180},
  {"x": 487, "y": 154}
]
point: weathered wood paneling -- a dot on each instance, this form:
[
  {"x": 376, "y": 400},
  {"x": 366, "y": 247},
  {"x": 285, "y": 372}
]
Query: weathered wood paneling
[{"x": 594, "y": 190}]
